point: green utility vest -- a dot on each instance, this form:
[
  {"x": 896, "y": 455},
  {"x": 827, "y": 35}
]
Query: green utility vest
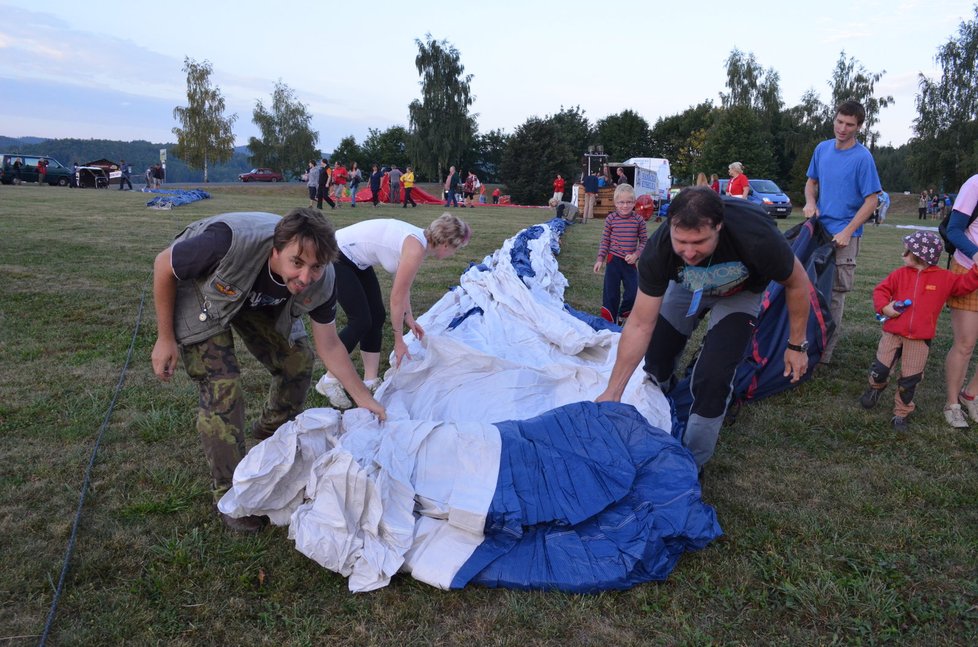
[{"x": 205, "y": 306}]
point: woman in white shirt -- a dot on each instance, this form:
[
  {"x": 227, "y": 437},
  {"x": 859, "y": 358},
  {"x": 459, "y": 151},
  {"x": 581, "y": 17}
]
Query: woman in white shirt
[{"x": 399, "y": 248}]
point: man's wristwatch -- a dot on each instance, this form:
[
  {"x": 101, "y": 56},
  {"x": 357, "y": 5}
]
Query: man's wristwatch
[{"x": 799, "y": 348}]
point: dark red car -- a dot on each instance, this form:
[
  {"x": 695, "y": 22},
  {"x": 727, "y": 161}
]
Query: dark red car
[{"x": 261, "y": 175}]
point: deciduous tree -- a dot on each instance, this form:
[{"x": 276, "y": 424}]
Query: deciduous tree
[
  {"x": 287, "y": 141},
  {"x": 206, "y": 134},
  {"x": 348, "y": 151},
  {"x": 944, "y": 153},
  {"x": 533, "y": 154},
  {"x": 387, "y": 148},
  {"x": 680, "y": 139},
  {"x": 485, "y": 155},
  {"x": 441, "y": 127},
  {"x": 574, "y": 129},
  {"x": 624, "y": 135},
  {"x": 850, "y": 80},
  {"x": 738, "y": 136},
  {"x": 751, "y": 85}
]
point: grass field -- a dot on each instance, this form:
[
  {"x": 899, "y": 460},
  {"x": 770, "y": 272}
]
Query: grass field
[{"x": 838, "y": 530}]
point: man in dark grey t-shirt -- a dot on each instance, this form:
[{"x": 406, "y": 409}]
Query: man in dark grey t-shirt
[{"x": 714, "y": 256}]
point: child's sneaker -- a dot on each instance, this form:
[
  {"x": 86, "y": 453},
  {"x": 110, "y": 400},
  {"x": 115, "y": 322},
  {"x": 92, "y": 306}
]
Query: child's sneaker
[
  {"x": 333, "y": 390},
  {"x": 869, "y": 398},
  {"x": 900, "y": 424},
  {"x": 970, "y": 404},
  {"x": 955, "y": 416}
]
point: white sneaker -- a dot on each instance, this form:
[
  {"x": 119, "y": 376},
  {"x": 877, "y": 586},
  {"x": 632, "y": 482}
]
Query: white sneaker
[
  {"x": 971, "y": 406},
  {"x": 374, "y": 384},
  {"x": 333, "y": 390},
  {"x": 955, "y": 416}
]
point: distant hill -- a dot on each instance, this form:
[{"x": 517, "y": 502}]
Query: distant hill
[{"x": 141, "y": 154}]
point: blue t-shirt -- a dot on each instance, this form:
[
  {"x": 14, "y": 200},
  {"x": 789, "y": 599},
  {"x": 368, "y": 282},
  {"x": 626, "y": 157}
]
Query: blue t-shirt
[{"x": 845, "y": 179}]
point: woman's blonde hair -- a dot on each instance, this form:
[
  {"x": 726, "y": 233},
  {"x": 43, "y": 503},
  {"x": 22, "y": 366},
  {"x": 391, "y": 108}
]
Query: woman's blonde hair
[
  {"x": 736, "y": 166},
  {"x": 449, "y": 229}
]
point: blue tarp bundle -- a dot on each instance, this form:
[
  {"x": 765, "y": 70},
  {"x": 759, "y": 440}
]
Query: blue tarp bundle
[{"x": 170, "y": 198}]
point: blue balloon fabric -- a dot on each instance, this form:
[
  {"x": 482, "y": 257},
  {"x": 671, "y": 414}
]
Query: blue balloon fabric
[
  {"x": 590, "y": 497},
  {"x": 175, "y": 197}
]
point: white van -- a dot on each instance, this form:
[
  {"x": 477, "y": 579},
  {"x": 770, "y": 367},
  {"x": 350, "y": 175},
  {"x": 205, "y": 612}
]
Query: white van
[{"x": 660, "y": 167}]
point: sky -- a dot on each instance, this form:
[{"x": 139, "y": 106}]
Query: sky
[{"x": 116, "y": 72}]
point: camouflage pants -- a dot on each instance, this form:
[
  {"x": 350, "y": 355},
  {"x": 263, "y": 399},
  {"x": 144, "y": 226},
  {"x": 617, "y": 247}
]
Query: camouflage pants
[{"x": 212, "y": 364}]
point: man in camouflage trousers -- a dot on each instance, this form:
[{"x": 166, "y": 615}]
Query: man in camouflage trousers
[{"x": 257, "y": 274}]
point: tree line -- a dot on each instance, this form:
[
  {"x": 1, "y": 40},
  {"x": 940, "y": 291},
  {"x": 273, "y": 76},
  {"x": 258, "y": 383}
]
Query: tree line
[{"x": 750, "y": 123}]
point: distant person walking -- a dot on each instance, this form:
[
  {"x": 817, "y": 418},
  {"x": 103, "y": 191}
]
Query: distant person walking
[
  {"x": 408, "y": 180},
  {"x": 451, "y": 188},
  {"x": 468, "y": 189},
  {"x": 880, "y": 216},
  {"x": 125, "y": 171},
  {"x": 338, "y": 180},
  {"x": 42, "y": 171},
  {"x": 322, "y": 192},
  {"x": 394, "y": 184},
  {"x": 375, "y": 178},
  {"x": 312, "y": 182},
  {"x": 356, "y": 177}
]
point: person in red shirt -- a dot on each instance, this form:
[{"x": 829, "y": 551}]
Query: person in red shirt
[
  {"x": 339, "y": 179},
  {"x": 558, "y": 188},
  {"x": 907, "y": 332},
  {"x": 738, "y": 186}
]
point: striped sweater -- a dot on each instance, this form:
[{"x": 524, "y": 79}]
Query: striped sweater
[{"x": 622, "y": 235}]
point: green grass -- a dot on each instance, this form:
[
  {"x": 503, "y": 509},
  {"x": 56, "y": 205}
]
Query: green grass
[{"x": 838, "y": 530}]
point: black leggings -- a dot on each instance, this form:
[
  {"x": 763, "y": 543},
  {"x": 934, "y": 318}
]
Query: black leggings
[
  {"x": 715, "y": 366},
  {"x": 358, "y": 293}
]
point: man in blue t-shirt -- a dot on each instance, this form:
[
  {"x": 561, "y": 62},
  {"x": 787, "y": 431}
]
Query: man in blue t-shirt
[{"x": 842, "y": 193}]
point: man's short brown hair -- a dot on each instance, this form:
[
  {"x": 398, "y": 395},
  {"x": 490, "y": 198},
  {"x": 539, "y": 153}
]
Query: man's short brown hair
[{"x": 308, "y": 226}]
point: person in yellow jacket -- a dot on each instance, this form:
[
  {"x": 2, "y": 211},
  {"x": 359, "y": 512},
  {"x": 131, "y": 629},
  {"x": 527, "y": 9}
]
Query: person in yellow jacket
[{"x": 408, "y": 181}]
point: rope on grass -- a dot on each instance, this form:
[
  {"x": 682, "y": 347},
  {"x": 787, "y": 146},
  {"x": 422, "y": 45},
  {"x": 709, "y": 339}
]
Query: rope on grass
[{"x": 69, "y": 551}]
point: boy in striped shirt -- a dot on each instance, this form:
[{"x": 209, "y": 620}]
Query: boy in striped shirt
[{"x": 622, "y": 242}]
